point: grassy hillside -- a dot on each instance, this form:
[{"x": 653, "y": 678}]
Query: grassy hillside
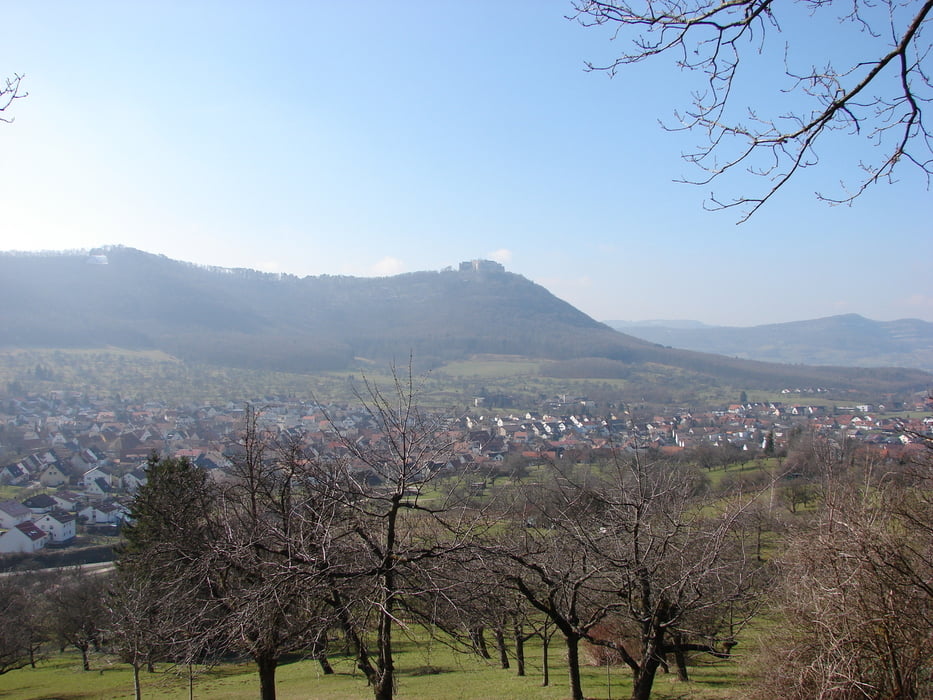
[{"x": 427, "y": 670}]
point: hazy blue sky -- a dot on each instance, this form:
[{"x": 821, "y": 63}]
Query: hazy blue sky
[{"x": 372, "y": 138}]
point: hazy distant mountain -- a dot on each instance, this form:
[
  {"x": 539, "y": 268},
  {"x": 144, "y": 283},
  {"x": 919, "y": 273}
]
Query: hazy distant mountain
[
  {"x": 656, "y": 323},
  {"x": 849, "y": 340},
  {"x": 127, "y": 298}
]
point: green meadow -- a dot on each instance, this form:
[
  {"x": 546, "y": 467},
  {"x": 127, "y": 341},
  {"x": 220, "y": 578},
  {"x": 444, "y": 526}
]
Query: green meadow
[{"x": 428, "y": 669}]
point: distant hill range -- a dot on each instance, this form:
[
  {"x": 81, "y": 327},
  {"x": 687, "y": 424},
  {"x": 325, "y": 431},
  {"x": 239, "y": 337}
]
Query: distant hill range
[
  {"x": 242, "y": 318},
  {"x": 848, "y": 340}
]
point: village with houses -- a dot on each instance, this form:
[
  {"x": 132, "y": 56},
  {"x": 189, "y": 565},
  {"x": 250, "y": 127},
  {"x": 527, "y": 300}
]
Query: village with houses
[{"x": 70, "y": 464}]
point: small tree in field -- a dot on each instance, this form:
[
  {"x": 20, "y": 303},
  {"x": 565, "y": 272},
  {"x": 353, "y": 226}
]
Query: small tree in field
[
  {"x": 77, "y": 613},
  {"x": 688, "y": 579},
  {"x": 22, "y": 631},
  {"x": 216, "y": 558}
]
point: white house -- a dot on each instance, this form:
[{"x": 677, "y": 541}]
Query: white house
[
  {"x": 134, "y": 479},
  {"x": 95, "y": 475},
  {"x": 40, "y": 504},
  {"x": 24, "y": 537},
  {"x": 13, "y": 513},
  {"x": 102, "y": 513},
  {"x": 14, "y": 474},
  {"x": 59, "y": 525},
  {"x": 67, "y": 500},
  {"x": 98, "y": 487}
]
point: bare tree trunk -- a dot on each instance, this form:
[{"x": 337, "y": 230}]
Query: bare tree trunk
[
  {"x": 384, "y": 688},
  {"x": 319, "y": 649},
  {"x": 573, "y": 666},
  {"x": 641, "y": 690},
  {"x": 681, "y": 659},
  {"x": 363, "y": 662},
  {"x": 503, "y": 649},
  {"x": 545, "y": 658},
  {"x": 137, "y": 690},
  {"x": 478, "y": 637},
  {"x": 267, "y": 666},
  {"x": 519, "y": 650}
]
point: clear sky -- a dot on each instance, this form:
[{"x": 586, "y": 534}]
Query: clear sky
[{"x": 373, "y": 138}]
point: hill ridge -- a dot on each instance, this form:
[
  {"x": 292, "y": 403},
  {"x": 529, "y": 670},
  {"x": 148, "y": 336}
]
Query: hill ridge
[
  {"x": 246, "y": 318},
  {"x": 845, "y": 339}
]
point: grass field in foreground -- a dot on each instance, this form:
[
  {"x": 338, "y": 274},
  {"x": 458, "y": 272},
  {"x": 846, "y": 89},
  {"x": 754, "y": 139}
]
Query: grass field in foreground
[{"x": 426, "y": 670}]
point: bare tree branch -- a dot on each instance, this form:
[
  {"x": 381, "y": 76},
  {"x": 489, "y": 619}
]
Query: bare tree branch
[
  {"x": 878, "y": 97},
  {"x": 8, "y": 92}
]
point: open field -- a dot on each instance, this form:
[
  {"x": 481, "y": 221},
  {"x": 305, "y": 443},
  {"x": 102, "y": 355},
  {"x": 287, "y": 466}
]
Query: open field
[
  {"x": 153, "y": 375},
  {"x": 428, "y": 670}
]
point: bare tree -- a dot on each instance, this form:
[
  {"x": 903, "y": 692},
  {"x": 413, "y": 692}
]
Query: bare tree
[
  {"x": 394, "y": 532},
  {"x": 270, "y": 606},
  {"x": 144, "y": 622},
  {"x": 77, "y": 613},
  {"x": 871, "y": 87},
  {"x": 220, "y": 556},
  {"x": 686, "y": 573},
  {"x": 21, "y": 634},
  {"x": 635, "y": 546},
  {"x": 547, "y": 550}
]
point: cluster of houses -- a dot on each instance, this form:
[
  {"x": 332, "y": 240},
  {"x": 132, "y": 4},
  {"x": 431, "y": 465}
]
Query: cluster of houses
[
  {"x": 49, "y": 517},
  {"x": 79, "y": 460}
]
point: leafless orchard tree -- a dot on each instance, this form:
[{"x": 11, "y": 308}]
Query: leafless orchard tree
[
  {"x": 686, "y": 572},
  {"x": 204, "y": 562},
  {"x": 77, "y": 612},
  {"x": 396, "y": 530},
  {"x": 635, "y": 547},
  {"x": 551, "y": 557},
  {"x": 873, "y": 84},
  {"x": 23, "y": 630},
  {"x": 146, "y": 623},
  {"x": 265, "y": 523}
]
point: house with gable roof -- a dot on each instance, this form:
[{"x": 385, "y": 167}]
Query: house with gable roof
[
  {"x": 132, "y": 480},
  {"x": 60, "y": 526},
  {"x": 53, "y": 475},
  {"x": 14, "y": 474},
  {"x": 24, "y": 537},
  {"x": 13, "y": 513},
  {"x": 40, "y": 504},
  {"x": 108, "y": 512},
  {"x": 67, "y": 500}
]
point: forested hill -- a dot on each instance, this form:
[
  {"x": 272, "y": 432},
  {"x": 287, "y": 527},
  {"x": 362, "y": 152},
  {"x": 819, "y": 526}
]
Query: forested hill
[
  {"x": 131, "y": 299},
  {"x": 248, "y": 318},
  {"x": 849, "y": 340}
]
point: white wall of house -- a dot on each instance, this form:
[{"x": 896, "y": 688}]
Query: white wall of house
[
  {"x": 15, "y": 541},
  {"x": 58, "y": 530}
]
